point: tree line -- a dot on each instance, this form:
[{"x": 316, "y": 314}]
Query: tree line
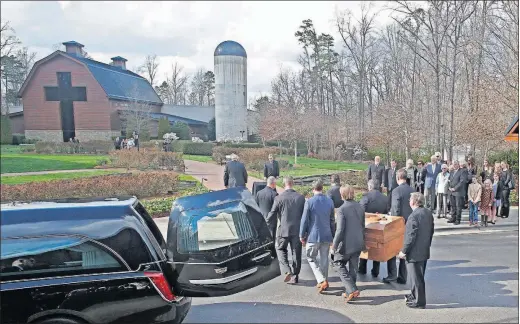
[
  {"x": 440, "y": 74},
  {"x": 180, "y": 88}
]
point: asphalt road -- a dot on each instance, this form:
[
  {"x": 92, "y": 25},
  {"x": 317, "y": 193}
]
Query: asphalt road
[{"x": 471, "y": 278}]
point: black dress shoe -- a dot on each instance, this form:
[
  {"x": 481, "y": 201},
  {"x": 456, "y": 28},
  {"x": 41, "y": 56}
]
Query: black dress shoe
[
  {"x": 389, "y": 280},
  {"x": 363, "y": 272},
  {"x": 414, "y": 305},
  {"x": 450, "y": 221},
  {"x": 401, "y": 281},
  {"x": 456, "y": 223},
  {"x": 375, "y": 274}
]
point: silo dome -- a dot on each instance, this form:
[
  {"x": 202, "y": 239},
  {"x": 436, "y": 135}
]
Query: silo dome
[{"x": 231, "y": 48}]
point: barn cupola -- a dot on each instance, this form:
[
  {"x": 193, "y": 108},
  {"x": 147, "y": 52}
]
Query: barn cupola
[
  {"x": 119, "y": 62},
  {"x": 73, "y": 47}
]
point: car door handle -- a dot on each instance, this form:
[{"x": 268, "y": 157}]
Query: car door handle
[
  {"x": 220, "y": 281},
  {"x": 261, "y": 256}
]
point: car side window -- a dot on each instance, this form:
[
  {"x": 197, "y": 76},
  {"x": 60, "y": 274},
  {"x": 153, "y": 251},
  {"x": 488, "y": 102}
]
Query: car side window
[
  {"x": 214, "y": 227},
  {"x": 51, "y": 256},
  {"x": 130, "y": 246}
]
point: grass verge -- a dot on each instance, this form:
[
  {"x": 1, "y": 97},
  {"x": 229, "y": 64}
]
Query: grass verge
[
  {"x": 14, "y": 163},
  {"x": 198, "y": 158}
]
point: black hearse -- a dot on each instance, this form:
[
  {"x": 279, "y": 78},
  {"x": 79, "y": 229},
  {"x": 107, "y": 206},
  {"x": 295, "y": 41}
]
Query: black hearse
[{"x": 105, "y": 261}]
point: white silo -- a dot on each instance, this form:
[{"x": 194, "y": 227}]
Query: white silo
[{"x": 230, "y": 91}]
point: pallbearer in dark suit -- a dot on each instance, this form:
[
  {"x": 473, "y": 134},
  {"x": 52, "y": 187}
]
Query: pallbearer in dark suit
[
  {"x": 333, "y": 192},
  {"x": 287, "y": 212},
  {"x": 265, "y": 198},
  {"x": 376, "y": 171},
  {"x": 416, "y": 249},
  {"x": 373, "y": 202},
  {"x": 400, "y": 207},
  {"x": 349, "y": 241},
  {"x": 271, "y": 168}
]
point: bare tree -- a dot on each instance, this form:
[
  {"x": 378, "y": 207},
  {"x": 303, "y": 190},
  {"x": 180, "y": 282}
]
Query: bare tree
[
  {"x": 136, "y": 116},
  {"x": 8, "y": 40},
  {"x": 177, "y": 82},
  {"x": 149, "y": 68}
]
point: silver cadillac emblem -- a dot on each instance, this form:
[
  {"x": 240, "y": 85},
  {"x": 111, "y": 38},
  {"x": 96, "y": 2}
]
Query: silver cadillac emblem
[{"x": 221, "y": 270}]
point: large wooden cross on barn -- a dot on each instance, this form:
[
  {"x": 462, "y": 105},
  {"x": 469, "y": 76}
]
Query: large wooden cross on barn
[{"x": 66, "y": 94}]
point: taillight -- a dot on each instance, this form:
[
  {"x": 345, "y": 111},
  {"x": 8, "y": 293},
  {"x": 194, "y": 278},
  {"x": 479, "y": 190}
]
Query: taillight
[{"x": 161, "y": 284}]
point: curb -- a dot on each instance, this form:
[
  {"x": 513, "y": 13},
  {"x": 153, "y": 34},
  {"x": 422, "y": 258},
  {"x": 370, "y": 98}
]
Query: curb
[{"x": 466, "y": 227}]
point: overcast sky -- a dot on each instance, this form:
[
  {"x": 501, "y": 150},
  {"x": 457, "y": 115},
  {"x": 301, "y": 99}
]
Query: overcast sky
[{"x": 186, "y": 32}]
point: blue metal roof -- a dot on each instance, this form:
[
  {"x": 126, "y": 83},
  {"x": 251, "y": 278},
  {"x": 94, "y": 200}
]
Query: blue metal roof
[
  {"x": 73, "y": 43},
  {"x": 231, "y": 48},
  {"x": 118, "y": 58},
  {"x": 120, "y": 84},
  {"x": 173, "y": 119}
]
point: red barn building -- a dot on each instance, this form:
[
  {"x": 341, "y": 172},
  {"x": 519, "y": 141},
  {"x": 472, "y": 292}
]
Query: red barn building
[{"x": 67, "y": 95}]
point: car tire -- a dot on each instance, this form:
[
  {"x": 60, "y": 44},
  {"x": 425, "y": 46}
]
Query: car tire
[{"x": 61, "y": 320}]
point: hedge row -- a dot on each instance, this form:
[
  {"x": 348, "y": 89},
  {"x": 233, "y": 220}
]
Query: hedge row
[
  {"x": 253, "y": 158},
  {"x": 141, "y": 184},
  {"x": 147, "y": 160},
  {"x": 243, "y": 145},
  {"x": 91, "y": 147},
  {"x": 182, "y": 146}
]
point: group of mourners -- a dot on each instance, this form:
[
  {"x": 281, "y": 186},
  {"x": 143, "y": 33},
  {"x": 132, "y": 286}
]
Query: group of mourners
[
  {"x": 451, "y": 186},
  {"x": 127, "y": 143},
  {"x": 331, "y": 226}
]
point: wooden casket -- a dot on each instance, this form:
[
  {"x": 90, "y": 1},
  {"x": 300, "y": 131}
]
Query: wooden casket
[{"x": 384, "y": 237}]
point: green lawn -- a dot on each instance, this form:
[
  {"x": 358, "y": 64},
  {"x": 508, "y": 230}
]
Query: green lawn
[
  {"x": 12, "y": 162},
  {"x": 309, "y": 167},
  {"x": 324, "y": 164},
  {"x": 10, "y": 180},
  {"x": 198, "y": 158}
]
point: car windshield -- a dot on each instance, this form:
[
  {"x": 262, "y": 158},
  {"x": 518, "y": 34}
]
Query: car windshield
[{"x": 46, "y": 256}]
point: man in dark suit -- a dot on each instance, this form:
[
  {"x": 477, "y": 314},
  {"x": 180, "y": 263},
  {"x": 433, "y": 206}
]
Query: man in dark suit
[
  {"x": 333, "y": 192},
  {"x": 390, "y": 180},
  {"x": 432, "y": 171},
  {"x": 349, "y": 241},
  {"x": 400, "y": 207},
  {"x": 416, "y": 249},
  {"x": 376, "y": 172},
  {"x": 285, "y": 216},
  {"x": 235, "y": 173},
  {"x": 265, "y": 198},
  {"x": 456, "y": 186},
  {"x": 373, "y": 202},
  {"x": 271, "y": 168}
]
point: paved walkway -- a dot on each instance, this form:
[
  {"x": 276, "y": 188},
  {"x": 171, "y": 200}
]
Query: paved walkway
[{"x": 214, "y": 175}]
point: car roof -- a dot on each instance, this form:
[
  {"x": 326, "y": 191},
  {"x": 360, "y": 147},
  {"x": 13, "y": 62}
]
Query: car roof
[{"x": 92, "y": 217}]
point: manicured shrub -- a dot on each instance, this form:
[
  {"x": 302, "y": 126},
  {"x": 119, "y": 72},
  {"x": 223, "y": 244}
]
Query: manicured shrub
[
  {"x": 140, "y": 184},
  {"x": 147, "y": 160},
  {"x": 243, "y": 145},
  {"x": 90, "y": 147},
  {"x": 6, "y": 136},
  {"x": 182, "y": 130},
  {"x": 18, "y": 139},
  {"x": 253, "y": 158},
  {"x": 193, "y": 148}
]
